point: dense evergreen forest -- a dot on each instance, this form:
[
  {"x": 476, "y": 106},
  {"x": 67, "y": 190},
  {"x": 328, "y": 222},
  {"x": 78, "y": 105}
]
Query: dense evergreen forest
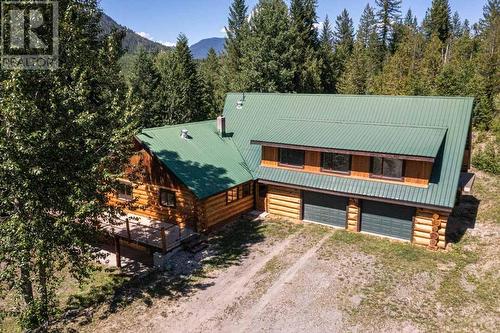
[{"x": 276, "y": 48}]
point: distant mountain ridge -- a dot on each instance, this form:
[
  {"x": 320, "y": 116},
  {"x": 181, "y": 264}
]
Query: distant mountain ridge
[
  {"x": 132, "y": 42},
  {"x": 200, "y": 49}
]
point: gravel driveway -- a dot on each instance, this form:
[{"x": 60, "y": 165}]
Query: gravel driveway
[{"x": 307, "y": 278}]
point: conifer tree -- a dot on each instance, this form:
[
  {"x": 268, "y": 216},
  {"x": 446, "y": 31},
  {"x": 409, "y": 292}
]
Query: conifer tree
[
  {"x": 180, "y": 94},
  {"x": 267, "y": 63},
  {"x": 456, "y": 26},
  {"x": 488, "y": 63},
  {"x": 439, "y": 20},
  {"x": 432, "y": 64},
  {"x": 144, "y": 83},
  {"x": 237, "y": 31},
  {"x": 363, "y": 62},
  {"x": 63, "y": 135},
  {"x": 388, "y": 12},
  {"x": 343, "y": 38},
  {"x": 213, "y": 93},
  {"x": 307, "y": 76},
  {"x": 329, "y": 70},
  {"x": 401, "y": 72}
]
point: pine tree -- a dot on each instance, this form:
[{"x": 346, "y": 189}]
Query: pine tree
[
  {"x": 267, "y": 63},
  {"x": 488, "y": 63},
  {"x": 144, "y": 83},
  {"x": 180, "y": 94},
  {"x": 343, "y": 38},
  {"x": 307, "y": 76},
  {"x": 63, "y": 138},
  {"x": 410, "y": 20},
  {"x": 363, "y": 62},
  {"x": 329, "y": 70},
  {"x": 388, "y": 12},
  {"x": 456, "y": 26},
  {"x": 432, "y": 64},
  {"x": 401, "y": 72},
  {"x": 213, "y": 92},
  {"x": 354, "y": 79},
  {"x": 439, "y": 20},
  {"x": 237, "y": 31}
]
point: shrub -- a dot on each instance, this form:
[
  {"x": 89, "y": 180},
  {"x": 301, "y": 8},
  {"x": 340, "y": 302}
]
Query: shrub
[{"x": 488, "y": 159}]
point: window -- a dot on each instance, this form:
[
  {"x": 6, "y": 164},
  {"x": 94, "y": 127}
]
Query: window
[
  {"x": 167, "y": 198},
  {"x": 336, "y": 162},
  {"x": 125, "y": 191},
  {"x": 291, "y": 157},
  {"x": 247, "y": 190},
  {"x": 387, "y": 168},
  {"x": 232, "y": 195}
]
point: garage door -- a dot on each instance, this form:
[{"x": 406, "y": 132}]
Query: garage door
[
  {"x": 386, "y": 219},
  {"x": 324, "y": 208}
]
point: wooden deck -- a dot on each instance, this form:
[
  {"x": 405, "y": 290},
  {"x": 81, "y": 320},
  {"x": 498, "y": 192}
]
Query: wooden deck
[{"x": 149, "y": 233}]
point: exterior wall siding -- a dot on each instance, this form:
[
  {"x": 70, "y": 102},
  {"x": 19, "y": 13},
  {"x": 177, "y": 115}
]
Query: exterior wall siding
[
  {"x": 215, "y": 210},
  {"x": 429, "y": 227},
  {"x": 284, "y": 202},
  {"x": 417, "y": 173},
  {"x": 147, "y": 176}
]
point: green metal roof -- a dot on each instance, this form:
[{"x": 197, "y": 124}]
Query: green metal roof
[
  {"x": 260, "y": 113},
  {"x": 421, "y": 141},
  {"x": 206, "y": 163}
]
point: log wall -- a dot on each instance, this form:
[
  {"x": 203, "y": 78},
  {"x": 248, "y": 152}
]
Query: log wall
[
  {"x": 216, "y": 210},
  {"x": 429, "y": 229},
  {"x": 353, "y": 215},
  {"x": 284, "y": 202},
  {"x": 417, "y": 173}
]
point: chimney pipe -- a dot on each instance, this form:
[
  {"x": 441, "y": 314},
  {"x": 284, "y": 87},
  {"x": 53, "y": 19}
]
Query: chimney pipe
[
  {"x": 221, "y": 125},
  {"x": 185, "y": 134}
]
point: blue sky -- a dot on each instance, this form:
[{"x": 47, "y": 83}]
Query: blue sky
[{"x": 163, "y": 20}]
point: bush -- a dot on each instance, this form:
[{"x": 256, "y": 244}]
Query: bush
[{"x": 487, "y": 159}]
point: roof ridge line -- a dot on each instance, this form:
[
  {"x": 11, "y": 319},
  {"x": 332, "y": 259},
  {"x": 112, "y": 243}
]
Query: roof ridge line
[
  {"x": 347, "y": 95},
  {"x": 362, "y": 123}
]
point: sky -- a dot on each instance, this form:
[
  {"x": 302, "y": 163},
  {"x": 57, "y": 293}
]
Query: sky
[{"x": 164, "y": 20}]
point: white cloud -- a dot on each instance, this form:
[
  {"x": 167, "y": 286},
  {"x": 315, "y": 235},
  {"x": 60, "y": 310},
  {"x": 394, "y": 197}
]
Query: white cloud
[
  {"x": 222, "y": 30},
  {"x": 145, "y": 35}
]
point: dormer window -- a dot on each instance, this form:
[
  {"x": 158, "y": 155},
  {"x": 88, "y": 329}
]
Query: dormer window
[
  {"x": 390, "y": 168},
  {"x": 291, "y": 158}
]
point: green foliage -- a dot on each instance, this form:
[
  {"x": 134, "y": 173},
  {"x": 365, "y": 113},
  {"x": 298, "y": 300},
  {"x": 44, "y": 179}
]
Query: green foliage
[
  {"x": 213, "y": 94},
  {"x": 144, "y": 83},
  {"x": 237, "y": 32},
  {"x": 267, "y": 62},
  {"x": 388, "y": 13},
  {"x": 64, "y": 135},
  {"x": 488, "y": 158},
  {"x": 439, "y": 20},
  {"x": 343, "y": 38},
  {"x": 180, "y": 93}
]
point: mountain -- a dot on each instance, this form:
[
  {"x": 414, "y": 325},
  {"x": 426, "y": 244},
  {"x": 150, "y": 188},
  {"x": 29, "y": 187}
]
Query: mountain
[
  {"x": 132, "y": 41},
  {"x": 200, "y": 49}
]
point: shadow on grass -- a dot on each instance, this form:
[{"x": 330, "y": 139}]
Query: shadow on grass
[
  {"x": 463, "y": 217},
  {"x": 227, "y": 247}
]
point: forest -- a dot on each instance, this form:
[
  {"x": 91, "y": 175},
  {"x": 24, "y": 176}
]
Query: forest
[{"x": 276, "y": 48}]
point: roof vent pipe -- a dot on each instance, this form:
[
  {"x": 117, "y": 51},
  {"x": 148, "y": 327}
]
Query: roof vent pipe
[
  {"x": 185, "y": 134},
  {"x": 221, "y": 125}
]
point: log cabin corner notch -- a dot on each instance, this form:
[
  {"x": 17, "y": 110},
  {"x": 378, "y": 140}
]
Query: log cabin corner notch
[{"x": 382, "y": 165}]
